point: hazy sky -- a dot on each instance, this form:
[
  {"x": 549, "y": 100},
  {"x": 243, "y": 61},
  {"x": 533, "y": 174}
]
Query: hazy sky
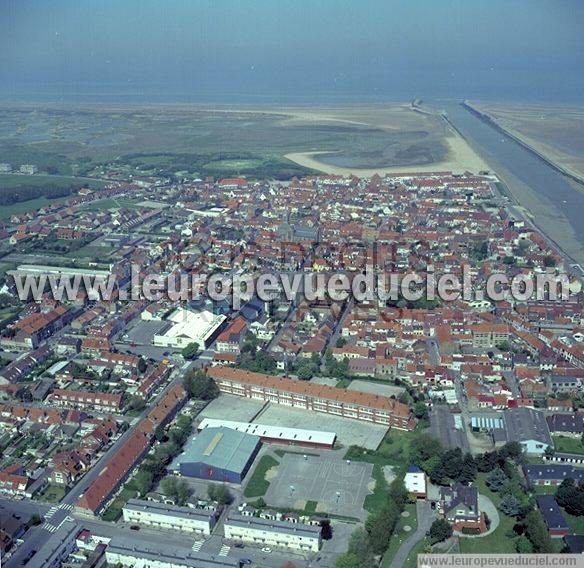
[{"x": 310, "y": 50}]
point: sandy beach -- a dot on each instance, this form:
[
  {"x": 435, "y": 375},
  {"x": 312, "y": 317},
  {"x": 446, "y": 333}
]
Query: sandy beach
[{"x": 461, "y": 158}]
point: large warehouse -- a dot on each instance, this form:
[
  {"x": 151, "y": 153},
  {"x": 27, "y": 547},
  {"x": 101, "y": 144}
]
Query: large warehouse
[
  {"x": 184, "y": 327},
  {"x": 219, "y": 454}
]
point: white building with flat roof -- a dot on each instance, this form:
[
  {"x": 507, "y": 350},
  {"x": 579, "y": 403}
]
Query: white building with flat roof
[
  {"x": 268, "y": 532},
  {"x": 276, "y": 434},
  {"x": 415, "y": 482},
  {"x": 185, "y": 327},
  {"x": 169, "y": 517}
]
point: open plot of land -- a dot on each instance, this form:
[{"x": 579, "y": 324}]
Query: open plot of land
[
  {"x": 568, "y": 445},
  {"x": 230, "y": 407},
  {"x": 258, "y": 142},
  {"x": 349, "y": 432},
  {"x": 375, "y": 388},
  {"x": 553, "y": 131},
  {"x": 338, "y": 487}
]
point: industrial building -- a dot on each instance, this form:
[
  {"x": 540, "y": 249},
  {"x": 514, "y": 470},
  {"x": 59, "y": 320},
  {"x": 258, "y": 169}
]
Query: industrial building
[
  {"x": 185, "y": 326},
  {"x": 218, "y": 454},
  {"x": 170, "y": 517},
  {"x": 273, "y": 533},
  {"x": 276, "y": 434}
]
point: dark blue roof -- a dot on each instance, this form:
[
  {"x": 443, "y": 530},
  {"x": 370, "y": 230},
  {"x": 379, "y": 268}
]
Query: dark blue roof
[
  {"x": 552, "y": 514},
  {"x": 414, "y": 469}
]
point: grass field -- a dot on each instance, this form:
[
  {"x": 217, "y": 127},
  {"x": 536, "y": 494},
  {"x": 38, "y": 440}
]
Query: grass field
[
  {"x": 258, "y": 484},
  {"x": 399, "y": 535},
  {"x": 10, "y": 181},
  {"x": 393, "y": 450},
  {"x": 568, "y": 445}
]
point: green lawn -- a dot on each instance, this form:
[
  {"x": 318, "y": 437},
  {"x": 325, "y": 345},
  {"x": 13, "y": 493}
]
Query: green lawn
[
  {"x": 9, "y": 181},
  {"x": 114, "y": 511},
  {"x": 399, "y": 535},
  {"x": 568, "y": 445},
  {"x": 258, "y": 485},
  {"x": 575, "y": 523},
  {"x": 498, "y": 542},
  {"x": 393, "y": 450},
  {"x": 111, "y": 203},
  {"x": 52, "y": 493},
  {"x": 378, "y": 498},
  {"x": 6, "y": 211}
]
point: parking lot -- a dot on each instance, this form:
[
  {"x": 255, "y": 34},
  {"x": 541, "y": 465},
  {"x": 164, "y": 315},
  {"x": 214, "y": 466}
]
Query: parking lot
[
  {"x": 338, "y": 487},
  {"x": 137, "y": 338}
]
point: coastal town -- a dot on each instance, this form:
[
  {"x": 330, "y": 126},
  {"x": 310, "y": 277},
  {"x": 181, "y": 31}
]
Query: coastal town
[{"x": 288, "y": 432}]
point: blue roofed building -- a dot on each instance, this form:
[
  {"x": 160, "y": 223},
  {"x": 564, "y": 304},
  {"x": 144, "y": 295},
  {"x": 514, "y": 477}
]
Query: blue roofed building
[
  {"x": 553, "y": 516},
  {"x": 218, "y": 454}
]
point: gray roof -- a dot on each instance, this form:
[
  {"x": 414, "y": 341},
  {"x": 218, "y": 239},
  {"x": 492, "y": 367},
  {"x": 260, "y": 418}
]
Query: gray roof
[
  {"x": 220, "y": 448},
  {"x": 522, "y": 424},
  {"x": 449, "y": 432},
  {"x": 566, "y": 422},
  {"x": 52, "y": 550},
  {"x": 169, "y": 510},
  {"x": 172, "y": 554},
  {"x": 285, "y": 527}
]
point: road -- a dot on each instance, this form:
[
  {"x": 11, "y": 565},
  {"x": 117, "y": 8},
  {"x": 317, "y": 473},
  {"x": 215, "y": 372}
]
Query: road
[{"x": 426, "y": 517}]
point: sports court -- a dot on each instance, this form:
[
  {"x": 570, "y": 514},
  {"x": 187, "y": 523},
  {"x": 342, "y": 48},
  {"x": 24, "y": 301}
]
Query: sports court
[{"x": 337, "y": 486}]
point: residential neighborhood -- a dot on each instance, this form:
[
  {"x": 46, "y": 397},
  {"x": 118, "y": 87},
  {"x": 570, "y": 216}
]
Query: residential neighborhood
[{"x": 291, "y": 431}]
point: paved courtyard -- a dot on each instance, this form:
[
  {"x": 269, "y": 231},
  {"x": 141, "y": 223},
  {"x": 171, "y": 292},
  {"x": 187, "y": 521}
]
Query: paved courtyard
[
  {"x": 231, "y": 407},
  {"x": 337, "y": 486},
  {"x": 349, "y": 432}
]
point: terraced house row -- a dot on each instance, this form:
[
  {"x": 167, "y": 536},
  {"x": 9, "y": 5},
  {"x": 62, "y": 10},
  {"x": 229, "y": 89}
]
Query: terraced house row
[{"x": 318, "y": 398}]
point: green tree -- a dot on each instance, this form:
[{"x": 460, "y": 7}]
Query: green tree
[
  {"x": 423, "y": 448},
  {"x": 219, "y": 493},
  {"x": 359, "y": 544},
  {"x": 190, "y": 351},
  {"x": 496, "y": 480},
  {"x": 380, "y": 527},
  {"x": 523, "y": 545},
  {"x": 420, "y": 410},
  {"x": 537, "y": 532},
  {"x": 168, "y": 487},
  {"x": 468, "y": 471},
  {"x": 200, "y": 386},
  {"x": 399, "y": 493},
  {"x": 142, "y": 365},
  {"x": 510, "y": 505},
  {"x": 348, "y": 560},
  {"x": 440, "y": 530},
  {"x": 549, "y": 261},
  {"x": 143, "y": 481},
  {"x": 182, "y": 492}
]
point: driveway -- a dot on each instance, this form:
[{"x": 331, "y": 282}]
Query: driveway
[{"x": 426, "y": 517}]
